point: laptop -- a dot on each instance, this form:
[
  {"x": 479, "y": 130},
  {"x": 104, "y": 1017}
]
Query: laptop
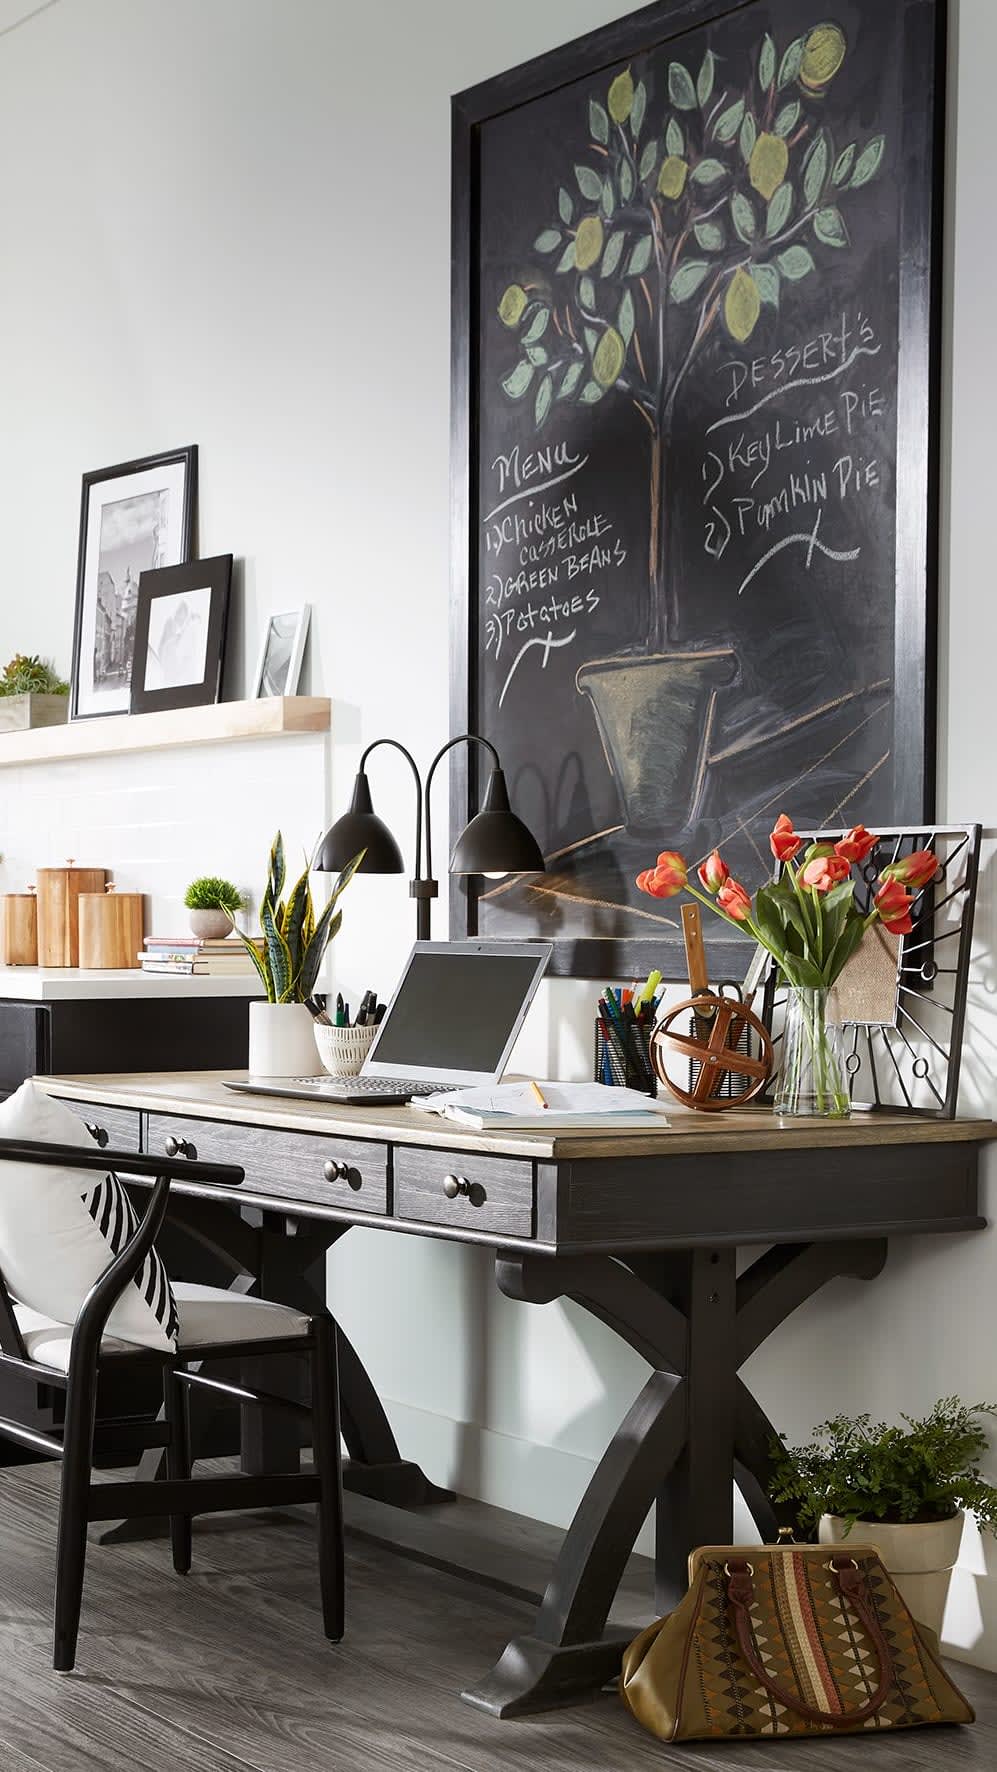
[{"x": 452, "y": 1022}]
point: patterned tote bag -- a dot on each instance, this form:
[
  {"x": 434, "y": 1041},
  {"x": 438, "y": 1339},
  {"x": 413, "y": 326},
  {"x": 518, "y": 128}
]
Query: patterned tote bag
[{"x": 787, "y": 1641}]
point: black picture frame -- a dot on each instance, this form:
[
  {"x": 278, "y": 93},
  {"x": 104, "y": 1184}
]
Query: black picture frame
[
  {"x": 103, "y": 641},
  {"x": 195, "y": 675},
  {"x": 920, "y": 154}
]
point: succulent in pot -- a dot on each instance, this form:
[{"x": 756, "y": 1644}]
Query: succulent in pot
[
  {"x": 288, "y": 963},
  {"x": 906, "y": 1488}
]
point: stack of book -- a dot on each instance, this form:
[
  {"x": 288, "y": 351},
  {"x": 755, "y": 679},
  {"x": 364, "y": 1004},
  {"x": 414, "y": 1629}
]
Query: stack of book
[{"x": 192, "y": 957}]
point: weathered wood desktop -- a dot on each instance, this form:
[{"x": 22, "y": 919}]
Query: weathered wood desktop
[{"x": 642, "y": 1230}]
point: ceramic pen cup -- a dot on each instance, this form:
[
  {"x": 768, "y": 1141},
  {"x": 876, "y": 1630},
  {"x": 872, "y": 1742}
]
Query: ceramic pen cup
[{"x": 343, "y": 1050}]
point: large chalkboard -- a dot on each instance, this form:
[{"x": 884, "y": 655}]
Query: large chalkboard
[{"x": 694, "y": 414}]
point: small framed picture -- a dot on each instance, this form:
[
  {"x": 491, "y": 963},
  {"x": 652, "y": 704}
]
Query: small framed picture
[
  {"x": 279, "y": 665},
  {"x": 180, "y": 635},
  {"x": 134, "y": 518}
]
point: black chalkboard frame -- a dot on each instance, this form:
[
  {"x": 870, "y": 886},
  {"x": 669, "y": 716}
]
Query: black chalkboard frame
[{"x": 924, "y": 36}]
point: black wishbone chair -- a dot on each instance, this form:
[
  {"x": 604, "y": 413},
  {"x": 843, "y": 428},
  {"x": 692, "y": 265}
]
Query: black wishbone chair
[{"x": 180, "y": 1495}]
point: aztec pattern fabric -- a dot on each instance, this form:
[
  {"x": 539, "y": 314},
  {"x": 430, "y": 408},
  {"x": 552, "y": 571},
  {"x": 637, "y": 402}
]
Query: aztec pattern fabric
[
  {"x": 787, "y": 1641},
  {"x": 115, "y": 1218}
]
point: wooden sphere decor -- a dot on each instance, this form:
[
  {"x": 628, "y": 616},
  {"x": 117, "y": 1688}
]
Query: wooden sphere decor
[
  {"x": 715, "y": 1053},
  {"x": 111, "y": 929},
  {"x": 59, "y": 892},
  {"x": 20, "y": 929}
]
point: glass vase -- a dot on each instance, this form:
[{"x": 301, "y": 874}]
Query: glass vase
[{"x": 812, "y": 1077}]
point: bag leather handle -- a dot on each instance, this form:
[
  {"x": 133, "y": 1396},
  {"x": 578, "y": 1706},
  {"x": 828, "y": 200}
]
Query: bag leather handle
[{"x": 741, "y": 1593}]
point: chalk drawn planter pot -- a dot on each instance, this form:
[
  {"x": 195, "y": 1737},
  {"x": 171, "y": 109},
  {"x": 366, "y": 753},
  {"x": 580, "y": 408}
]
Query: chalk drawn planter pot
[
  {"x": 281, "y": 1042},
  {"x": 919, "y": 1558},
  {"x": 655, "y": 716}
]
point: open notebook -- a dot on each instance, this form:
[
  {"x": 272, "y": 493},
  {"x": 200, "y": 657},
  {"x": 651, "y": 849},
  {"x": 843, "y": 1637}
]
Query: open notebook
[{"x": 513, "y": 1107}]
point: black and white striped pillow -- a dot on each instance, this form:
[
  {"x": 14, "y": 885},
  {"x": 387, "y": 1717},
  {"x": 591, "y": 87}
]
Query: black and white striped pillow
[{"x": 115, "y": 1218}]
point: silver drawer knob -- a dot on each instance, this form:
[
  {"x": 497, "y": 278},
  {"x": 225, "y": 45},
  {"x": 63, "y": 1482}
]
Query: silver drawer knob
[
  {"x": 455, "y": 1185},
  {"x": 179, "y": 1147},
  {"x": 334, "y": 1171}
]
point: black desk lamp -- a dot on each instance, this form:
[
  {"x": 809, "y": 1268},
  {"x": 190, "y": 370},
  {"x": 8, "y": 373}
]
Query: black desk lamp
[{"x": 495, "y": 842}]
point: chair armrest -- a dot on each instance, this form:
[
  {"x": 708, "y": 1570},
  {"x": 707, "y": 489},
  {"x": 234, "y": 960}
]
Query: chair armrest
[{"x": 72, "y": 1156}]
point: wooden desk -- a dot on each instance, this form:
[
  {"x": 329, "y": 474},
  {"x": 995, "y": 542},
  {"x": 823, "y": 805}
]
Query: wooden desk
[{"x": 641, "y": 1229}]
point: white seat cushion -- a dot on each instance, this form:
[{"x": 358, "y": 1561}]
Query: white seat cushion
[{"x": 209, "y": 1316}]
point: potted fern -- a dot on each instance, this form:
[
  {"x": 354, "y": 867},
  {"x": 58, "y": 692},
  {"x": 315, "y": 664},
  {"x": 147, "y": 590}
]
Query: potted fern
[
  {"x": 288, "y": 961},
  {"x": 904, "y": 1488}
]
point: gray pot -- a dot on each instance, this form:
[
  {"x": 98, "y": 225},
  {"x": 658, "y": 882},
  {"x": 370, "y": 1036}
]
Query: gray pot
[
  {"x": 655, "y": 717},
  {"x": 210, "y": 925}
]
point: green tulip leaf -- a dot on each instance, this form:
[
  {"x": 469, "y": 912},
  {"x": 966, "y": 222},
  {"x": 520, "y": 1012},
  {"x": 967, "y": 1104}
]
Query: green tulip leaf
[
  {"x": 648, "y": 159},
  {"x": 766, "y": 63},
  {"x": 626, "y": 181},
  {"x": 815, "y": 169},
  {"x": 843, "y": 165},
  {"x": 586, "y": 293},
  {"x": 748, "y": 136},
  {"x": 538, "y": 355},
  {"x": 566, "y": 208},
  {"x": 674, "y": 139},
  {"x": 607, "y": 201},
  {"x": 638, "y": 109},
  {"x": 590, "y": 393},
  {"x": 548, "y": 240},
  {"x": 572, "y": 376},
  {"x": 626, "y": 318},
  {"x": 545, "y": 394},
  {"x": 567, "y": 259},
  {"x": 768, "y": 280}
]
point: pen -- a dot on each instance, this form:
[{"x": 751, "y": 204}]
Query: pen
[
  {"x": 340, "y": 1018},
  {"x": 538, "y": 1095}
]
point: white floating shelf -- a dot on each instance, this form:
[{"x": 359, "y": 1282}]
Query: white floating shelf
[{"x": 220, "y": 723}]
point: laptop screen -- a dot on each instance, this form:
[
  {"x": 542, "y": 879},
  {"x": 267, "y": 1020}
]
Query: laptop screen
[{"x": 456, "y": 1011}]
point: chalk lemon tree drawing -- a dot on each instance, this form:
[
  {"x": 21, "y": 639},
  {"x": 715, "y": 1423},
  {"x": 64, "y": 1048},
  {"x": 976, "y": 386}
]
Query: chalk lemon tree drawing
[{"x": 669, "y": 228}]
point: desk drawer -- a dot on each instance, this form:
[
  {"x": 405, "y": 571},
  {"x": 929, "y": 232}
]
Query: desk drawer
[
  {"x": 122, "y": 1125},
  {"x": 291, "y": 1165},
  {"x": 468, "y": 1192}
]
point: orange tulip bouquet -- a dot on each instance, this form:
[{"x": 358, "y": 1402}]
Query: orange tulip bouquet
[{"x": 811, "y": 923}]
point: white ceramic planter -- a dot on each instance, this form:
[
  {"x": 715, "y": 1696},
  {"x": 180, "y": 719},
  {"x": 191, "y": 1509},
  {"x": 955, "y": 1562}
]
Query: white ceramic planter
[
  {"x": 212, "y": 925},
  {"x": 919, "y": 1558},
  {"x": 281, "y": 1042}
]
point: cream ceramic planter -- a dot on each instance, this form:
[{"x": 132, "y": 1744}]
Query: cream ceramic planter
[
  {"x": 211, "y": 925},
  {"x": 919, "y": 1558},
  {"x": 281, "y": 1042}
]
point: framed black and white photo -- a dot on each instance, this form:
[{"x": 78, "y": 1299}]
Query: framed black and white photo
[
  {"x": 180, "y": 635},
  {"x": 279, "y": 665},
  {"x": 136, "y": 517}
]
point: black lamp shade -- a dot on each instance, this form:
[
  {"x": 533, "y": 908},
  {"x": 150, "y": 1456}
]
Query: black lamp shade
[
  {"x": 360, "y": 828},
  {"x": 496, "y": 841}
]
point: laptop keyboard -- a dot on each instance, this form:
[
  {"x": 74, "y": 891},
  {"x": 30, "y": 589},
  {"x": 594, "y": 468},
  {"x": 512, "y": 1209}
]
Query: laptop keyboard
[{"x": 373, "y": 1086}]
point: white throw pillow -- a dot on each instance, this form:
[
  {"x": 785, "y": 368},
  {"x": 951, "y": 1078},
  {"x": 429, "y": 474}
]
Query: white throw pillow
[{"x": 59, "y": 1228}]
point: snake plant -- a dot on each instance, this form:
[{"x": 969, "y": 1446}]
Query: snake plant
[{"x": 294, "y": 940}]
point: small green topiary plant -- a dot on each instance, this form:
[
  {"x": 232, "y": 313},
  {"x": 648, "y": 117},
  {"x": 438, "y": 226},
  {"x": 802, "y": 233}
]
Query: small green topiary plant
[
  {"x": 27, "y": 674},
  {"x": 860, "y": 1470},
  {"x": 212, "y": 894}
]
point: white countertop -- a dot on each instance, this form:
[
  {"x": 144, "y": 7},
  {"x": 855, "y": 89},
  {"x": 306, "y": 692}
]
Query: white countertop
[{"x": 54, "y": 984}]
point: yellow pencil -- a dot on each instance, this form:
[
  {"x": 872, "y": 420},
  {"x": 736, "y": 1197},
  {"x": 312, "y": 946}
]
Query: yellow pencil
[{"x": 538, "y": 1094}]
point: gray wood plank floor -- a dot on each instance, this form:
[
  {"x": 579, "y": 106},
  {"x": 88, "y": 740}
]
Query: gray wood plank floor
[{"x": 227, "y": 1671}]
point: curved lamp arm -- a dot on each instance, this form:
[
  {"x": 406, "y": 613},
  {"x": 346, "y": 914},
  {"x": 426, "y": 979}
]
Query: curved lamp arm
[
  {"x": 462, "y": 738},
  {"x": 410, "y": 760}
]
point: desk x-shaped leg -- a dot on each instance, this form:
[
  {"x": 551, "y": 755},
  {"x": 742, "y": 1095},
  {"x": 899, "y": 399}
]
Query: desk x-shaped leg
[{"x": 691, "y": 1432}]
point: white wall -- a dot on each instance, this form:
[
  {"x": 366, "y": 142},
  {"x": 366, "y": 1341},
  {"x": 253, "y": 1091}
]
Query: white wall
[{"x": 226, "y": 221}]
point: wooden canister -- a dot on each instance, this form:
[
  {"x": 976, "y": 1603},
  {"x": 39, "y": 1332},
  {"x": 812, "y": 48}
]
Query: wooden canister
[
  {"x": 111, "y": 929},
  {"x": 59, "y": 890},
  {"x": 20, "y": 929}
]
